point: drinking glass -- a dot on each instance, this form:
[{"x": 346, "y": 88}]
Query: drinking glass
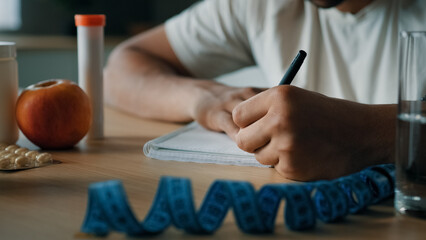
[{"x": 410, "y": 192}]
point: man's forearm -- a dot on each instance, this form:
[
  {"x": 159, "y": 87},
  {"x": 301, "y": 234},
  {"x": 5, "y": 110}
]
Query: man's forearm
[
  {"x": 365, "y": 131},
  {"x": 140, "y": 83},
  {"x": 145, "y": 77},
  {"x": 383, "y": 125}
]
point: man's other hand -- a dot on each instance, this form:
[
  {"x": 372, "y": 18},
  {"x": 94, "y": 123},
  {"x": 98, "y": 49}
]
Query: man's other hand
[{"x": 216, "y": 103}]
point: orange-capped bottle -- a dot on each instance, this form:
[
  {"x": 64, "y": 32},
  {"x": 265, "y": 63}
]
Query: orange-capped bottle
[{"x": 90, "y": 39}]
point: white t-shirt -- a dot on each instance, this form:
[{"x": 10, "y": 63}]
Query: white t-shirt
[{"x": 350, "y": 56}]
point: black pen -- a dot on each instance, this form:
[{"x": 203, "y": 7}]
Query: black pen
[{"x": 294, "y": 68}]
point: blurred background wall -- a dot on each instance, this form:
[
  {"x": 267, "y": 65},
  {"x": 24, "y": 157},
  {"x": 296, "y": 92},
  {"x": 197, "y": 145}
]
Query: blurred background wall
[
  {"x": 45, "y": 33},
  {"x": 46, "y": 36},
  {"x": 55, "y": 17}
]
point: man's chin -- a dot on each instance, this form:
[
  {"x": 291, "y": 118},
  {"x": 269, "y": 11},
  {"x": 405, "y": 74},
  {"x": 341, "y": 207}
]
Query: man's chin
[{"x": 326, "y": 3}]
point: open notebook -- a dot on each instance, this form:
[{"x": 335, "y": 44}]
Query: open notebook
[{"x": 193, "y": 143}]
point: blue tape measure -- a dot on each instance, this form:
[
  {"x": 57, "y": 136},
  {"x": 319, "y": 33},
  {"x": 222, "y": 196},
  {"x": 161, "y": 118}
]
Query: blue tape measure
[{"x": 255, "y": 212}]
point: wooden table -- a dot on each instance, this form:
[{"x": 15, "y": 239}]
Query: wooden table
[{"x": 50, "y": 202}]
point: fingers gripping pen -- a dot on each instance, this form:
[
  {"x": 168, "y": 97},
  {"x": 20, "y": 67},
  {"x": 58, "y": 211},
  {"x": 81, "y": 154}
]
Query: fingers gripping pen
[{"x": 90, "y": 38}]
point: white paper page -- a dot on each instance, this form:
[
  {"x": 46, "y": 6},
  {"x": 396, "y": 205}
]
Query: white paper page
[{"x": 193, "y": 143}]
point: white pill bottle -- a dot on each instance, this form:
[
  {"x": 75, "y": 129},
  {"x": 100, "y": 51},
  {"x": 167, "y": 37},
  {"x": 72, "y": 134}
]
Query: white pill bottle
[
  {"x": 90, "y": 40},
  {"x": 8, "y": 93}
]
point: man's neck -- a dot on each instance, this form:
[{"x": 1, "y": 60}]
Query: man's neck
[{"x": 353, "y": 6}]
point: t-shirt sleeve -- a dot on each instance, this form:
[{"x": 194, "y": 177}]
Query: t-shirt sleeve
[{"x": 210, "y": 38}]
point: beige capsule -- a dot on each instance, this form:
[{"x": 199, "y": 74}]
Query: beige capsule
[
  {"x": 3, "y": 153},
  {"x": 3, "y": 146},
  {"x": 21, "y": 151},
  {"x": 23, "y": 162},
  {"x": 11, "y": 148},
  {"x": 44, "y": 158},
  {"x": 11, "y": 156},
  {"x": 32, "y": 155},
  {"x": 6, "y": 163}
]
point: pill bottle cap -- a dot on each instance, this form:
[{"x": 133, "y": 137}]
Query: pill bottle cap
[
  {"x": 7, "y": 50},
  {"x": 90, "y": 20}
]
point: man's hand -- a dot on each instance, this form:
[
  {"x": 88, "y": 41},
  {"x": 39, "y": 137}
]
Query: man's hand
[
  {"x": 145, "y": 77},
  {"x": 308, "y": 136},
  {"x": 215, "y": 104}
]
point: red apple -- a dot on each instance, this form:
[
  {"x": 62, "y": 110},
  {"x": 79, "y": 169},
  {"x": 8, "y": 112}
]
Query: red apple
[{"x": 54, "y": 114}]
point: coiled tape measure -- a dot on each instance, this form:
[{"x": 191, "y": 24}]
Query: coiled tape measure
[{"x": 255, "y": 212}]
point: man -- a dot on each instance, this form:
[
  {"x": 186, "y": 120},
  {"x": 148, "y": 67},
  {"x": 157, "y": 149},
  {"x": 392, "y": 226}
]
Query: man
[{"x": 338, "y": 116}]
